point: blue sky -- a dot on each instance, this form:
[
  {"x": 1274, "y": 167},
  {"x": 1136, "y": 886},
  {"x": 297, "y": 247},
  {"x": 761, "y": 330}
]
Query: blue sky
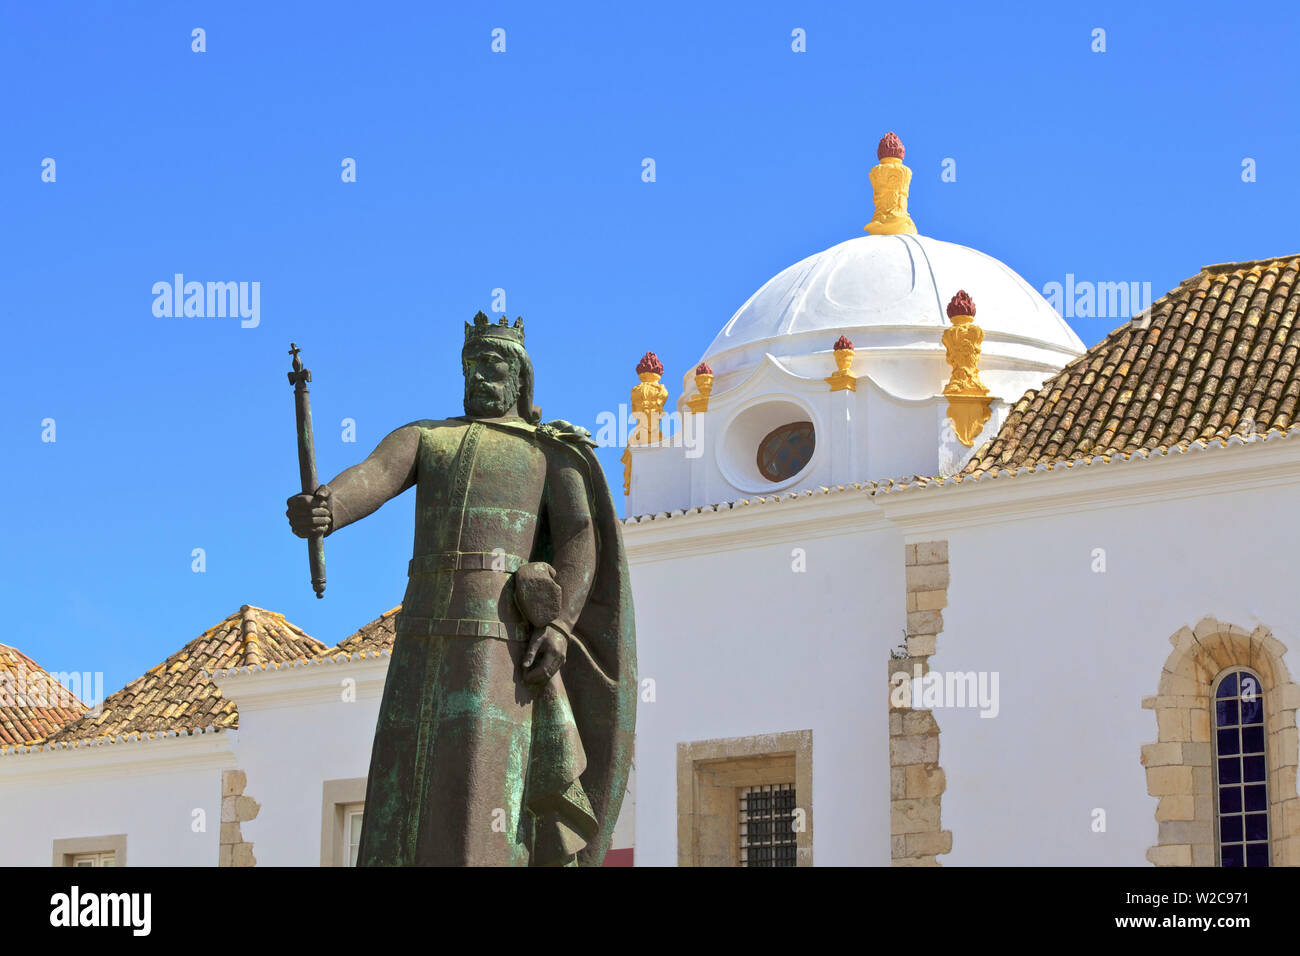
[{"x": 518, "y": 170}]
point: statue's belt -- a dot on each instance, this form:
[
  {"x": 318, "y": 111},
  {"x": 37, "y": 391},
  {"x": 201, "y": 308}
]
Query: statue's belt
[
  {"x": 497, "y": 561},
  {"x": 463, "y": 627}
]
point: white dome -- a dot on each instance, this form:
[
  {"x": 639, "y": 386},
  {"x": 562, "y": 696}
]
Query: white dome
[{"x": 889, "y": 294}]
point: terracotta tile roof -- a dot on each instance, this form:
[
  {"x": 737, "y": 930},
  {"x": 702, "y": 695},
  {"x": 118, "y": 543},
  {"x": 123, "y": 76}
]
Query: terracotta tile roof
[
  {"x": 372, "y": 638},
  {"x": 1218, "y": 356},
  {"x": 178, "y": 696},
  {"x": 32, "y": 703}
]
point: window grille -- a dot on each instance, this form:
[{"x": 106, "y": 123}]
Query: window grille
[{"x": 767, "y": 834}]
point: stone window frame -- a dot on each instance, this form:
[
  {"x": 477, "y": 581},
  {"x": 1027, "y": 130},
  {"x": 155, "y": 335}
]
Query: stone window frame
[
  {"x": 66, "y": 849},
  {"x": 336, "y": 797},
  {"x": 1178, "y": 764},
  {"x": 709, "y": 775}
]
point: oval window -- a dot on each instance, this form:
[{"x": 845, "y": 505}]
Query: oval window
[{"x": 785, "y": 451}]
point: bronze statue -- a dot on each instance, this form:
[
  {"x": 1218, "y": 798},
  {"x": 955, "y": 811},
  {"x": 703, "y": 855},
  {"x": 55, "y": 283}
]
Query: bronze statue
[{"x": 505, "y": 732}]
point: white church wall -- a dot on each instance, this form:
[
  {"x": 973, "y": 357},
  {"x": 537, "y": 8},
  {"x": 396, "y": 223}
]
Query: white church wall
[
  {"x": 298, "y": 729},
  {"x": 742, "y": 430},
  {"x": 900, "y": 436},
  {"x": 737, "y": 644},
  {"x": 164, "y": 795},
  {"x": 661, "y": 479},
  {"x": 864, "y": 435},
  {"x": 738, "y": 420},
  {"x": 1077, "y": 649}
]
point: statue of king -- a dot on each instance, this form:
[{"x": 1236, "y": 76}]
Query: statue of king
[{"x": 505, "y": 730}]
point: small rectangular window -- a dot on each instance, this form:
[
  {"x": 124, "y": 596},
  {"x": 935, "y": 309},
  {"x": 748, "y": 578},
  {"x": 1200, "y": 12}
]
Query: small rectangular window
[
  {"x": 352, "y": 815},
  {"x": 767, "y": 833},
  {"x": 107, "y": 858}
]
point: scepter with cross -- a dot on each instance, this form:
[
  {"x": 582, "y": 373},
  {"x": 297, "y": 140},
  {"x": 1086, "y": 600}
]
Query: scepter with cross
[{"x": 299, "y": 378}]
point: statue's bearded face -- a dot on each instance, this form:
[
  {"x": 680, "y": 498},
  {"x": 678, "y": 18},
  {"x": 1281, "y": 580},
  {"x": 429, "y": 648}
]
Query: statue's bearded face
[{"x": 491, "y": 381}]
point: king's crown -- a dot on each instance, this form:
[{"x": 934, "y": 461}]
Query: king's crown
[{"x": 485, "y": 328}]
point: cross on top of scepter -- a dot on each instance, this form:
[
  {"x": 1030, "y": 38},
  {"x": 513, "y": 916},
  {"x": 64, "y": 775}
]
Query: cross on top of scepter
[{"x": 299, "y": 375}]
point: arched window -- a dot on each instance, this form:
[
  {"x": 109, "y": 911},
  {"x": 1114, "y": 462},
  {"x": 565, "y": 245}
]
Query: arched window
[
  {"x": 785, "y": 451},
  {"x": 1240, "y": 769}
]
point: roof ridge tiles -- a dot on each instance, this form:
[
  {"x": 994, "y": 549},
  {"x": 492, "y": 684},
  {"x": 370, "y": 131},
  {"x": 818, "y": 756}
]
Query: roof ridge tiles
[
  {"x": 250, "y": 650},
  {"x": 1219, "y": 268},
  {"x": 104, "y": 740}
]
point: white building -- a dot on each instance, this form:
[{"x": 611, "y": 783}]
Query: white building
[
  {"x": 1081, "y": 576},
  {"x": 916, "y": 577}
]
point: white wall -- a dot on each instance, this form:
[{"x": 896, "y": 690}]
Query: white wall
[
  {"x": 1077, "y": 651},
  {"x": 288, "y": 752},
  {"x": 738, "y": 644},
  {"x": 148, "y": 790}
]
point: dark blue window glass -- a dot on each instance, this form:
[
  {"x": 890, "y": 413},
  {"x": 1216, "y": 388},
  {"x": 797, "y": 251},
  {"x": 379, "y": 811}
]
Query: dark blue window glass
[
  {"x": 1230, "y": 828},
  {"x": 1227, "y": 713},
  {"x": 1257, "y": 826},
  {"x": 1241, "y": 769},
  {"x": 1229, "y": 799},
  {"x": 1252, "y": 740}
]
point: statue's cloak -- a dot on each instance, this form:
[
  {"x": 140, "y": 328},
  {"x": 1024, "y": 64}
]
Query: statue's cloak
[{"x": 599, "y": 671}]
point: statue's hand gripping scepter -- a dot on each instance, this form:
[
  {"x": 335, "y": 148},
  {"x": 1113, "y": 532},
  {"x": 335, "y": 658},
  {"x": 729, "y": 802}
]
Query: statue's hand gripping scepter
[{"x": 299, "y": 378}]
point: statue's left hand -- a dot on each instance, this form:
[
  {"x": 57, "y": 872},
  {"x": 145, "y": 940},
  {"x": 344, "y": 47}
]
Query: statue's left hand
[{"x": 545, "y": 655}]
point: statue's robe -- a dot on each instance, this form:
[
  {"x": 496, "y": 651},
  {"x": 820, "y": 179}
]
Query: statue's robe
[{"x": 470, "y": 764}]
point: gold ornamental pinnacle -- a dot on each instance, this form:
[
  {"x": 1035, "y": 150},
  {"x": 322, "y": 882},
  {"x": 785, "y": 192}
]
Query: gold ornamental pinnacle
[{"x": 890, "y": 180}]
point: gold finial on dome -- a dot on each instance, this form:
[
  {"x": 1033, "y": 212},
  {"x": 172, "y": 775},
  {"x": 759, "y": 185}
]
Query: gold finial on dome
[
  {"x": 890, "y": 181},
  {"x": 968, "y": 399},
  {"x": 843, "y": 379},
  {"x": 648, "y": 399},
  {"x": 704, "y": 387}
]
